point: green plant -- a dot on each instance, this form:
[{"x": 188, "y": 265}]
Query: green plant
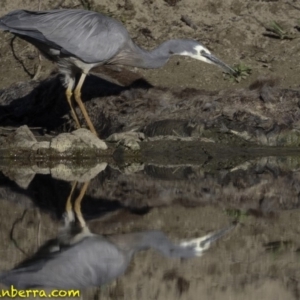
[
  {"x": 236, "y": 214},
  {"x": 242, "y": 71},
  {"x": 277, "y": 31}
]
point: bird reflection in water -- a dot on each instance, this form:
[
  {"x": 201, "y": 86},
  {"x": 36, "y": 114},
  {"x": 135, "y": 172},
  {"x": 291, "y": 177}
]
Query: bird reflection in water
[{"x": 79, "y": 259}]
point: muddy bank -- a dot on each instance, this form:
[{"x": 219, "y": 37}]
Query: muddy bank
[
  {"x": 182, "y": 200},
  {"x": 263, "y": 114}
]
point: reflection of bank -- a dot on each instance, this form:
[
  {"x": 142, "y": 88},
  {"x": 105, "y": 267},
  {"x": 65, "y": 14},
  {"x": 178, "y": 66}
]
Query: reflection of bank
[{"x": 78, "y": 258}]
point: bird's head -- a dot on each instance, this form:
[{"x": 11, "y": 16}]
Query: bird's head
[{"x": 197, "y": 51}]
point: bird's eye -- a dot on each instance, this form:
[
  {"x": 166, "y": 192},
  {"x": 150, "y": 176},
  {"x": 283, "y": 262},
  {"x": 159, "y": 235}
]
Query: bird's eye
[{"x": 202, "y": 52}]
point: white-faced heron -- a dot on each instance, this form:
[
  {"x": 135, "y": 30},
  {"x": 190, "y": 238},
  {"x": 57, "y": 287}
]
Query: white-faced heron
[
  {"x": 79, "y": 40},
  {"x": 78, "y": 259}
]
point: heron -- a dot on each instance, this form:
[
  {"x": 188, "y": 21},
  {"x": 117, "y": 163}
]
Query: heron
[
  {"x": 79, "y": 259},
  {"x": 80, "y": 40}
]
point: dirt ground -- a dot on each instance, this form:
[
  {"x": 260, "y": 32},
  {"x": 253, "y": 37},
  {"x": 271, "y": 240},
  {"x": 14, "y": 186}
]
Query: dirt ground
[
  {"x": 233, "y": 30},
  {"x": 238, "y": 266}
]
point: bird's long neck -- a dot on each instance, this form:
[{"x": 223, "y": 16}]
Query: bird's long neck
[
  {"x": 134, "y": 242},
  {"x": 133, "y": 55}
]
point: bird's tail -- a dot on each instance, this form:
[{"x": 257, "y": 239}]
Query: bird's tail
[
  {"x": 19, "y": 23},
  {"x": 4, "y": 276},
  {"x": 3, "y": 26},
  {"x": 17, "y": 279},
  {"x": 5, "y": 19}
]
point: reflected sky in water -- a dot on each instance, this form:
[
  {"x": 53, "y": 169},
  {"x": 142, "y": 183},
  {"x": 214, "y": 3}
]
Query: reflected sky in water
[{"x": 120, "y": 209}]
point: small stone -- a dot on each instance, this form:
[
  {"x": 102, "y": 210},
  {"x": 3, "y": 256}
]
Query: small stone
[
  {"x": 40, "y": 170},
  {"x": 40, "y": 145},
  {"x": 130, "y": 139},
  {"x": 64, "y": 142},
  {"x": 81, "y": 174},
  {"x": 89, "y": 139},
  {"x": 24, "y": 138}
]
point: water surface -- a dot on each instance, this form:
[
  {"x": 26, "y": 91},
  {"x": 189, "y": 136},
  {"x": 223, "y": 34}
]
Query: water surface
[{"x": 258, "y": 257}]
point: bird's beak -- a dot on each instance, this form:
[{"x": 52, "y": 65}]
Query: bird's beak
[
  {"x": 210, "y": 238},
  {"x": 218, "y": 62}
]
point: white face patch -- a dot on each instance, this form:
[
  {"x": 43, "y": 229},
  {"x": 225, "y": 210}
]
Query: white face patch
[{"x": 198, "y": 55}]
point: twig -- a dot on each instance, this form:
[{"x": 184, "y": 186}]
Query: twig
[
  {"x": 147, "y": 33},
  {"x": 86, "y": 4},
  {"x": 12, "y": 232},
  {"x": 39, "y": 229},
  {"x": 18, "y": 59},
  {"x": 38, "y": 70},
  {"x": 59, "y": 4},
  {"x": 294, "y": 6},
  {"x": 188, "y": 22}
]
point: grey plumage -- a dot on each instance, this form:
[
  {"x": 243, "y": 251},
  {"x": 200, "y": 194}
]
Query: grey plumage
[
  {"x": 74, "y": 32},
  {"x": 79, "y": 40},
  {"x": 94, "y": 260},
  {"x": 78, "y": 258}
]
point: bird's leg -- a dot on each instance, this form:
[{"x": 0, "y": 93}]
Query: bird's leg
[
  {"x": 77, "y": 93},
  {"x": 77, "y": 204},
  {"x": 69, "y": 215},
  {"x": 69, "y": 99}
]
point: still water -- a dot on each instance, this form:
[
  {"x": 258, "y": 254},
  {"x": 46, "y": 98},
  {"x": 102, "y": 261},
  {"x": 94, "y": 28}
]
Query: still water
[{"x": 161, "y": 207}]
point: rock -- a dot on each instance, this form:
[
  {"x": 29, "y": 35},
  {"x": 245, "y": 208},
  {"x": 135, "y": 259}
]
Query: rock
[
  {"x": 71, "y": 173},
  {"x": 23, "y": 138},
  {"x": 128, "y": 139},
  {"x": 64, "y": 142},
  {"x": 89, "y": 139}
]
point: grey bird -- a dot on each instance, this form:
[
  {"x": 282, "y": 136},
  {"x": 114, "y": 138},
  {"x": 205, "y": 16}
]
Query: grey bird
[
  {"x": 78, "y": 258},
  {"x": 79, "y": 40},
  {"x": 94, "y": 260}
]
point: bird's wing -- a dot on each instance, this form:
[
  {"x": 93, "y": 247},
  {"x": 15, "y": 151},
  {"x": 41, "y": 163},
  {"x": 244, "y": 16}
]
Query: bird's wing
[
  {"x": 89, "y": 36},
  {"x": 91, "y": 262}
]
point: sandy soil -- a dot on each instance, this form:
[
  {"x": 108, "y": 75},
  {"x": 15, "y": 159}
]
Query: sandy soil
[
  {"x": 232, "y": 29},
  {"x": 238, "y": 266}
]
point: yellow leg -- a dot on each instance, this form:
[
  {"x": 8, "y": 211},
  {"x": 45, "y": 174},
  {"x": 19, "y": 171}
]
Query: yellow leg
[
  {"x": 69, "y": 211},
  {"x": 77, "y": 204},
  {"x": 69, "y": 99},
  {"x": 77, "y": 94}
]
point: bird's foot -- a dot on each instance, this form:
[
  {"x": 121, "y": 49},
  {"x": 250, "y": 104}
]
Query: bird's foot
[
  {"x": 68, "y": 218},
  {"x": 128, "y": 139}
]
